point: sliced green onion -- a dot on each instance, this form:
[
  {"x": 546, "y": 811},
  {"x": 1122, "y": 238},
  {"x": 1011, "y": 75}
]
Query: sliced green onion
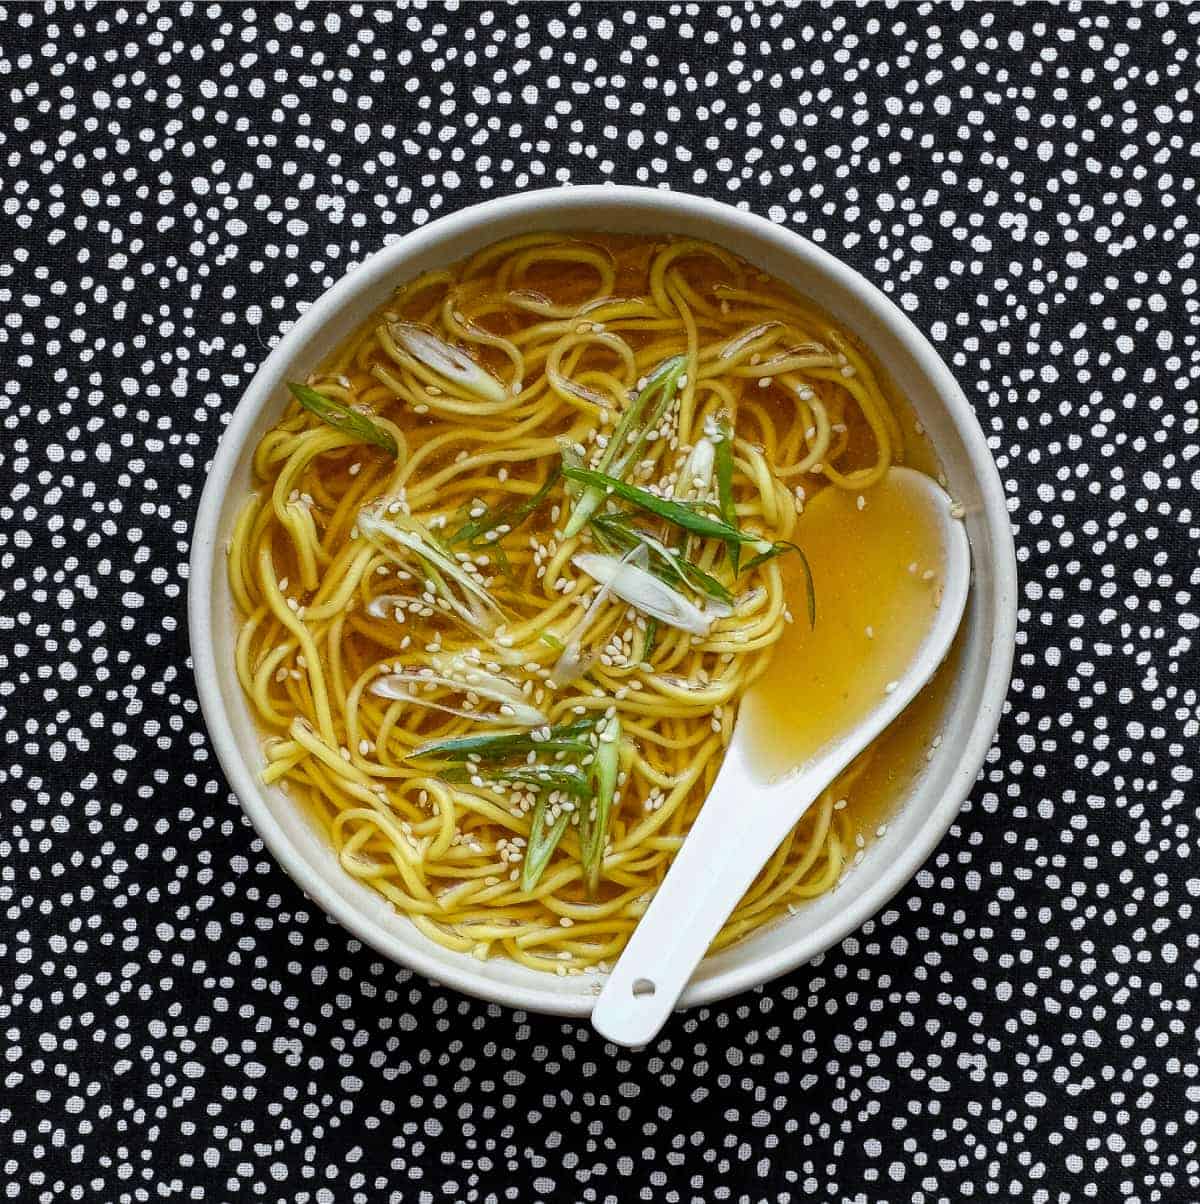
[
  {"x": 573, "y": 664},
  {"x": 343, "y": 418},
  {"x": 448, "y": 362},
  {"x": 543, "y": 840},
  {"x": 475, "y": 532},
  {"x": 593, "y": 824},
  {"x": 514, "y": 708},
  {"x": 724, "y": 462},
  {"x": 669, "y": 560},
  {"x": 627, "y": 441},
  {"x": 572, "y": 455},
  {"x": 651, "y": 639},
  {"x": 570, "y": 737},
  {"x": 476, "y": 607},
  {"x": 649, "y": 594},
  {"x": 697, "y": 470},
  {"x": 503, "y": 759},
  {"x": 682, "y": 514},
  {"x": 778, "y": 549}
]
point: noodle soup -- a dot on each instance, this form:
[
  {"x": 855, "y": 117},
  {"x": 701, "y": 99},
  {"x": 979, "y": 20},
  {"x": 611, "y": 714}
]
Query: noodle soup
[{"x": 518, "y": 551}]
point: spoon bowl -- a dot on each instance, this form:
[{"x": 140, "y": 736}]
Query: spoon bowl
[{"x": 753, "y": 805}]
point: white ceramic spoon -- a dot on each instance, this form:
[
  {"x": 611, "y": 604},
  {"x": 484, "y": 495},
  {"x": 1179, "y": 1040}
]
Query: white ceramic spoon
[{"x": 747, "y": 815}]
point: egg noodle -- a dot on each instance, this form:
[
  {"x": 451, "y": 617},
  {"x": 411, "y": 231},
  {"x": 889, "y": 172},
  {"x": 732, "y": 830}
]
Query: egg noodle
[{"x": 409, "y": 573}]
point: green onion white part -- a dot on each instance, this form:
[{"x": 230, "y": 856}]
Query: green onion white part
[
  {"x": 672, "y": 564},
  {"x": 650, "y": 595},
  {"x": 446, "y": 361},
  {"x": 388, "y": 532},
  {"x": 515, "y": 711},
  {"x": 572, "y": 664}
]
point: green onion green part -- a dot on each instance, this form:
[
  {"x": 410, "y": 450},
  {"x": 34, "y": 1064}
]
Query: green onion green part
[
  {"x": 342, "y": 418},
  {"x": 651, "y": 639},
  {"x": 625, "y": 445},
  {"x": 593, "y": 825},
  {"x": 778, "y": 549},
  {"x": 682, "y": 514},
  {"x": 478, "y": 532},
  {"x": 543, "y": 840},
  {"x": 723, "y": 455},
  {"x": 666, "y": 563},
  {"x": 569, "y": 737},
  {"x": 579, "y": 759}
]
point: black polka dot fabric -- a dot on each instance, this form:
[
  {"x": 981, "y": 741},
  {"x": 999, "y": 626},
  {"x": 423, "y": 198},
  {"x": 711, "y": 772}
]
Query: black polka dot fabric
[{"x": 177, "y": 183}]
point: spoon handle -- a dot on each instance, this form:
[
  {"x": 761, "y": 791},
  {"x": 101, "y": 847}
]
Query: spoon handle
[{"x": 727, "y": 846}]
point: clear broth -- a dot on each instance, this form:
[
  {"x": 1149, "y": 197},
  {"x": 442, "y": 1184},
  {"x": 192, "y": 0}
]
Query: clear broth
[{"x": 796, "y": 706}]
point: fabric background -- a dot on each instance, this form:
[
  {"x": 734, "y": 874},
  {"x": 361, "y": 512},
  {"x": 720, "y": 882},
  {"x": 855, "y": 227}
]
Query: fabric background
[{"x": 177, "y": 182}]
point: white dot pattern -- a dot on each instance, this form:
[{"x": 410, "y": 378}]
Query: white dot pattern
[{"x": 177, "y": 182}]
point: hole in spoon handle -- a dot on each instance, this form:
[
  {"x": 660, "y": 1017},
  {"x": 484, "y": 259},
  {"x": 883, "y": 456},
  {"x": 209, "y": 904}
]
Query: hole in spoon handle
[{"x": 632, "y": 1007}]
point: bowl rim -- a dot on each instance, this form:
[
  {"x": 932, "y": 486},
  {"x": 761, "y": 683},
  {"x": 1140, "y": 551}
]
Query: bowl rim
[{"x": 366, "y": 275}]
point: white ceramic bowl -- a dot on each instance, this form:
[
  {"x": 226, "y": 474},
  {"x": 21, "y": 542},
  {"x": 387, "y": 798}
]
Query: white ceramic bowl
[{"x": 973, "y": 710}]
